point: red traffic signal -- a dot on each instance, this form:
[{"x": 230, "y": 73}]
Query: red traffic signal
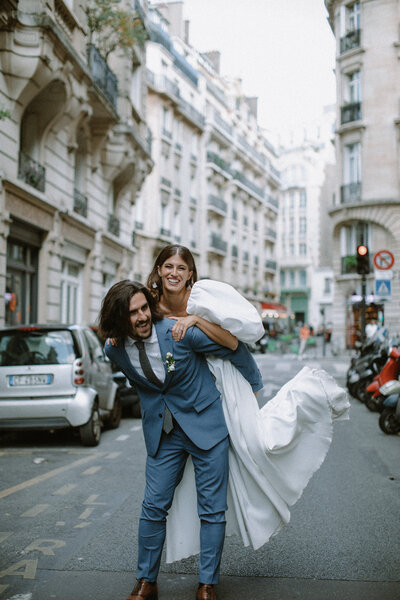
[{"x": 363, "y": 267}]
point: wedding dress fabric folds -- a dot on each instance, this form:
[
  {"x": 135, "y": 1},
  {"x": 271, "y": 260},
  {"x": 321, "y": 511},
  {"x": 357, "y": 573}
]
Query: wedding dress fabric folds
[{"x": 274, "y": 450}]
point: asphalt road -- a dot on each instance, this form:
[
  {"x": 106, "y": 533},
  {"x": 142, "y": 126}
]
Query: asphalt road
[{"x": 68, "y": 518}]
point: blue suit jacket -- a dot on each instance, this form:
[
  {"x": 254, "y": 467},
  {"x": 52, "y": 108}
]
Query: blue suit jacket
[{"x": 189, "y": 390}]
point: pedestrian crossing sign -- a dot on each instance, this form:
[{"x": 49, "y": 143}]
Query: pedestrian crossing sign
[{"x": 383, "y": 287}]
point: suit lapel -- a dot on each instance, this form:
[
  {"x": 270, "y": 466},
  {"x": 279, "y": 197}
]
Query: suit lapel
[{"x": 165, "y": 341}]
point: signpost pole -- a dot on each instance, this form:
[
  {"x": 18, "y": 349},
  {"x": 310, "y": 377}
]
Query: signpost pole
[{"x": 363, "y": 294}]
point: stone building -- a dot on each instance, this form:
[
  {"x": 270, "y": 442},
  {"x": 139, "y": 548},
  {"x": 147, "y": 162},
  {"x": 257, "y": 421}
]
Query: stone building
[
  {"x": 366, "y": 205},
  {"x": 214, "y": 187},
  {"x": 74, "y": 151},
  {"x": 307, "y": 166}
]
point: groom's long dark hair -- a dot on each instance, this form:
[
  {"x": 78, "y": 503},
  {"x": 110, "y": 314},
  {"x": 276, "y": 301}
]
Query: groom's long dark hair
[{"x": 113, "y": 319}]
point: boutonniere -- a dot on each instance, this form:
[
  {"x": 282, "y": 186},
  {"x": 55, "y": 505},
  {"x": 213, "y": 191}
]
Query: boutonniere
[{"x": 170, "y": 362}]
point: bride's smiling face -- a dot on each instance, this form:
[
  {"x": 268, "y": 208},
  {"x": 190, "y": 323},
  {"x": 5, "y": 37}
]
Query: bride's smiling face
[{"x": 174, "y": 274}]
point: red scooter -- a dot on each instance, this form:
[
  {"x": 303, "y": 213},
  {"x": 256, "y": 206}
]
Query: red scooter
[{"x": 390, "y": 372}]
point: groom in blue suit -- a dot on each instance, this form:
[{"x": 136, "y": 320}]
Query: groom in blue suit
[{"x": 182, "y": 415}]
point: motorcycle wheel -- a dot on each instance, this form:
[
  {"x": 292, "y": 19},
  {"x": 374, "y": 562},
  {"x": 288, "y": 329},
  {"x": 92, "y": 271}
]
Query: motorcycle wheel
[
  {"x": 372, "y": 404},
  {"x": 388, "y": 422},
  {"x": 360, "y": 391}
]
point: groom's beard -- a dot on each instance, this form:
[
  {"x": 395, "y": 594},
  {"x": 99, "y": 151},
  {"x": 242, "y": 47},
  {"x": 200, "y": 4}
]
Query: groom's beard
[{"x": 142, "y": 329}]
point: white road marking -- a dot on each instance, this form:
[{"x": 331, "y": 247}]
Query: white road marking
[
  {"x": 91, "y": 470},
  {"x": 122, "y": 438},
  {"x": 65, "y": 489},
  {"x": 86, "y": 513},
  {"x": 35, "y": 510},
  {"x": 136, "y": 428}
]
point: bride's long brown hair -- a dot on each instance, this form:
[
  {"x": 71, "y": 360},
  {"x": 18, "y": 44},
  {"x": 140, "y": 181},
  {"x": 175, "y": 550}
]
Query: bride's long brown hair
[{"x": 154, "y": 282}]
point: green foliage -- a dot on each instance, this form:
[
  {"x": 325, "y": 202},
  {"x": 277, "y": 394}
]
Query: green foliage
[
  {"x": 4, "y": 113},
  {"x": 112, "y": 28}
]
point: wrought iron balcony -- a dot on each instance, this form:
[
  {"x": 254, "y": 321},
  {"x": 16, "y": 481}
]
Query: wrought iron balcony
[
  {"x": 350, "y": 113},
  {"x": 271, "y": 233},
  {"x": 218, "y": 203},
  {"x": 217, "y": 160},
  {"x": 249, "y": 184},
  {"x": 270, "y": 264},
  {"x": 166, "y": 133},
  {"x": 165, "y": 232},
  {"x": 251, "y": 150},
  {"x": 351, "y": 40},
  {"x": 163, "y": 84},
  {"x": 350, "y": 193},
  {"x": 103, "y": 77},
  {"x": 166, "y": 182},
  {"x": 80, "y": 203},
  {"x": 272, "y": 201},
  {"x": 32, "y": 172},
  {"x": 186, "y": 109},
  {"x": 222, "y": 124},
  {"x": 113, "y": 225},
  {"x": 217, "y": 243}
]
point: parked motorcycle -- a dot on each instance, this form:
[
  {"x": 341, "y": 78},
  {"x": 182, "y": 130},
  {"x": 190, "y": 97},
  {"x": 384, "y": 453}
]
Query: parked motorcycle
[
  {"x": 389, "y": 373},
  {"x": 364, "y": 367},
  {"x": 389, "y": 419}
]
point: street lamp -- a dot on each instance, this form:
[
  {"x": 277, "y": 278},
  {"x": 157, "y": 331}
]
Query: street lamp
[{"x": 363, "y": 269}]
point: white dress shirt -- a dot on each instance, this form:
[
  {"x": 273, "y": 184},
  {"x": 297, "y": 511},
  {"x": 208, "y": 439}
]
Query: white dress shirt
[{"x": 153, "y": 352}]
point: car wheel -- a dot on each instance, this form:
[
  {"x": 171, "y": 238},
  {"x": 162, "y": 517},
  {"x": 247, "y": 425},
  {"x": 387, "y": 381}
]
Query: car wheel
[
  {"x": 90, "y": 432},
  {"x": 114, "y": 419},
  {"x": 388, "y": 422}
]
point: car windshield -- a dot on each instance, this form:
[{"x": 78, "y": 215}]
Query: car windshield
[{"x": 36, "y": 347}]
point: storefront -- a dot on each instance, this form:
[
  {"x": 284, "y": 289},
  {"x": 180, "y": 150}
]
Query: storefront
[
  {"x": 276, "y": 318},
  {"x": 23, "y": 244},
  {"x": 374, "y": 313}
]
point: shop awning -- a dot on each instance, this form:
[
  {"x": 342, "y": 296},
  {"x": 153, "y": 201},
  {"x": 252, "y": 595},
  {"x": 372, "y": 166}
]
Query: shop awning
[{"x": 273, "y": 310}]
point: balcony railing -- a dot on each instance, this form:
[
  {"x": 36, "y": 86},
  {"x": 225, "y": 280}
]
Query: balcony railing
[
  {"x": 350, "y": 113},
  {"x": 222, "y": 123},
  {"x": 252, "y": 151},
  {"x": 271, "y": 233},
  {"x": 191, "y": 113},
  {"x": 351, "y": 40},
  {"x": 349, "y": 193},
  {"x": 270, "y": 264},
  {"x": 113, "y": 225},
  {"x": 159, "y": 36},
  {"x": 80, "y": 203},
  {"x": 162, "y": 83},
  {"x": 217, "y": 160},
  {"x": 249, "y": 184},
  {"x": 103, "y": 77},
  {"x": 218, "y": 203},
  {"x": 166, "y": 182},
  {"x": 32, "y": 172},
  {"x": 273, "y": 201},
  {"x": 217, "y": 243},
  {"x": 165, "y": 232}
]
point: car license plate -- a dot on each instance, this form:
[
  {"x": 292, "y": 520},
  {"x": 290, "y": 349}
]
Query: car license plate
[{"x": 16, "y": 380}]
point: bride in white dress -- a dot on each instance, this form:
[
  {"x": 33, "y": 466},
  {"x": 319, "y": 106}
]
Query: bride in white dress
[{"x": 274, "y": 450}]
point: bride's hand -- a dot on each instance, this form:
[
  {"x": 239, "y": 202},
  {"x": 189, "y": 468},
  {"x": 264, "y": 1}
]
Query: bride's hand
[
  {"x": 181, "y": 326},
  {"x": 112, "y": 341}
]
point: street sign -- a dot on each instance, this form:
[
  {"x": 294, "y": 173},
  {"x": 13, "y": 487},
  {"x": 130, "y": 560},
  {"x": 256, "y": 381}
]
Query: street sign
[
  {"x": 383, "y": 288},
  {"x": 383, "y": 259}
]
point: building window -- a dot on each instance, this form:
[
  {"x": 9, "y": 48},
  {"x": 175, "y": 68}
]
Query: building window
[
  {"x": 283, "y": 278},
  {"x": 327, "y": 285},
  {"x": 352, "y": 163},
  {"x": 71, "y": 292},
  {"x": 354, "y": 87},
  {"x": 292, "y": 277},
  {"x": 291, "y": 249},
  {"x": 302, "y": 226},
  {"x": 303, "y": 199},
  {"x": 303, "y": 277},
  {"x": 291, "y": 225},
  {"x": 291, "y": 200},
  {"x": 303, "y": 249},
  {"x": 353, "y": 13}
]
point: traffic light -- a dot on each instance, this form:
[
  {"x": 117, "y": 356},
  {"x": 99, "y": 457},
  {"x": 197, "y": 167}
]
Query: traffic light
[{"x": 362, "y": 260}]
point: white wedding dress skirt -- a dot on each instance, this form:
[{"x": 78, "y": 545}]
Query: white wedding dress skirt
[{"x": 274, "y": 450}]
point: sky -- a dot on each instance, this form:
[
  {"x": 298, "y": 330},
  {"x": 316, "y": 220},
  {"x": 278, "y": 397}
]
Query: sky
[{"x": 283, "y": 50}]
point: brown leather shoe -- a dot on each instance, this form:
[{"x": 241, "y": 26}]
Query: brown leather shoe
[
  {"x": 144, "y": 590},
  {"x": 205, "y": 592}
]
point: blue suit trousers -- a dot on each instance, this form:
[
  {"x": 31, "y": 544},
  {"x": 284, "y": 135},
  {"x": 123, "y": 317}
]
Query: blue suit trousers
[{"x": 163, "y": 473}]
